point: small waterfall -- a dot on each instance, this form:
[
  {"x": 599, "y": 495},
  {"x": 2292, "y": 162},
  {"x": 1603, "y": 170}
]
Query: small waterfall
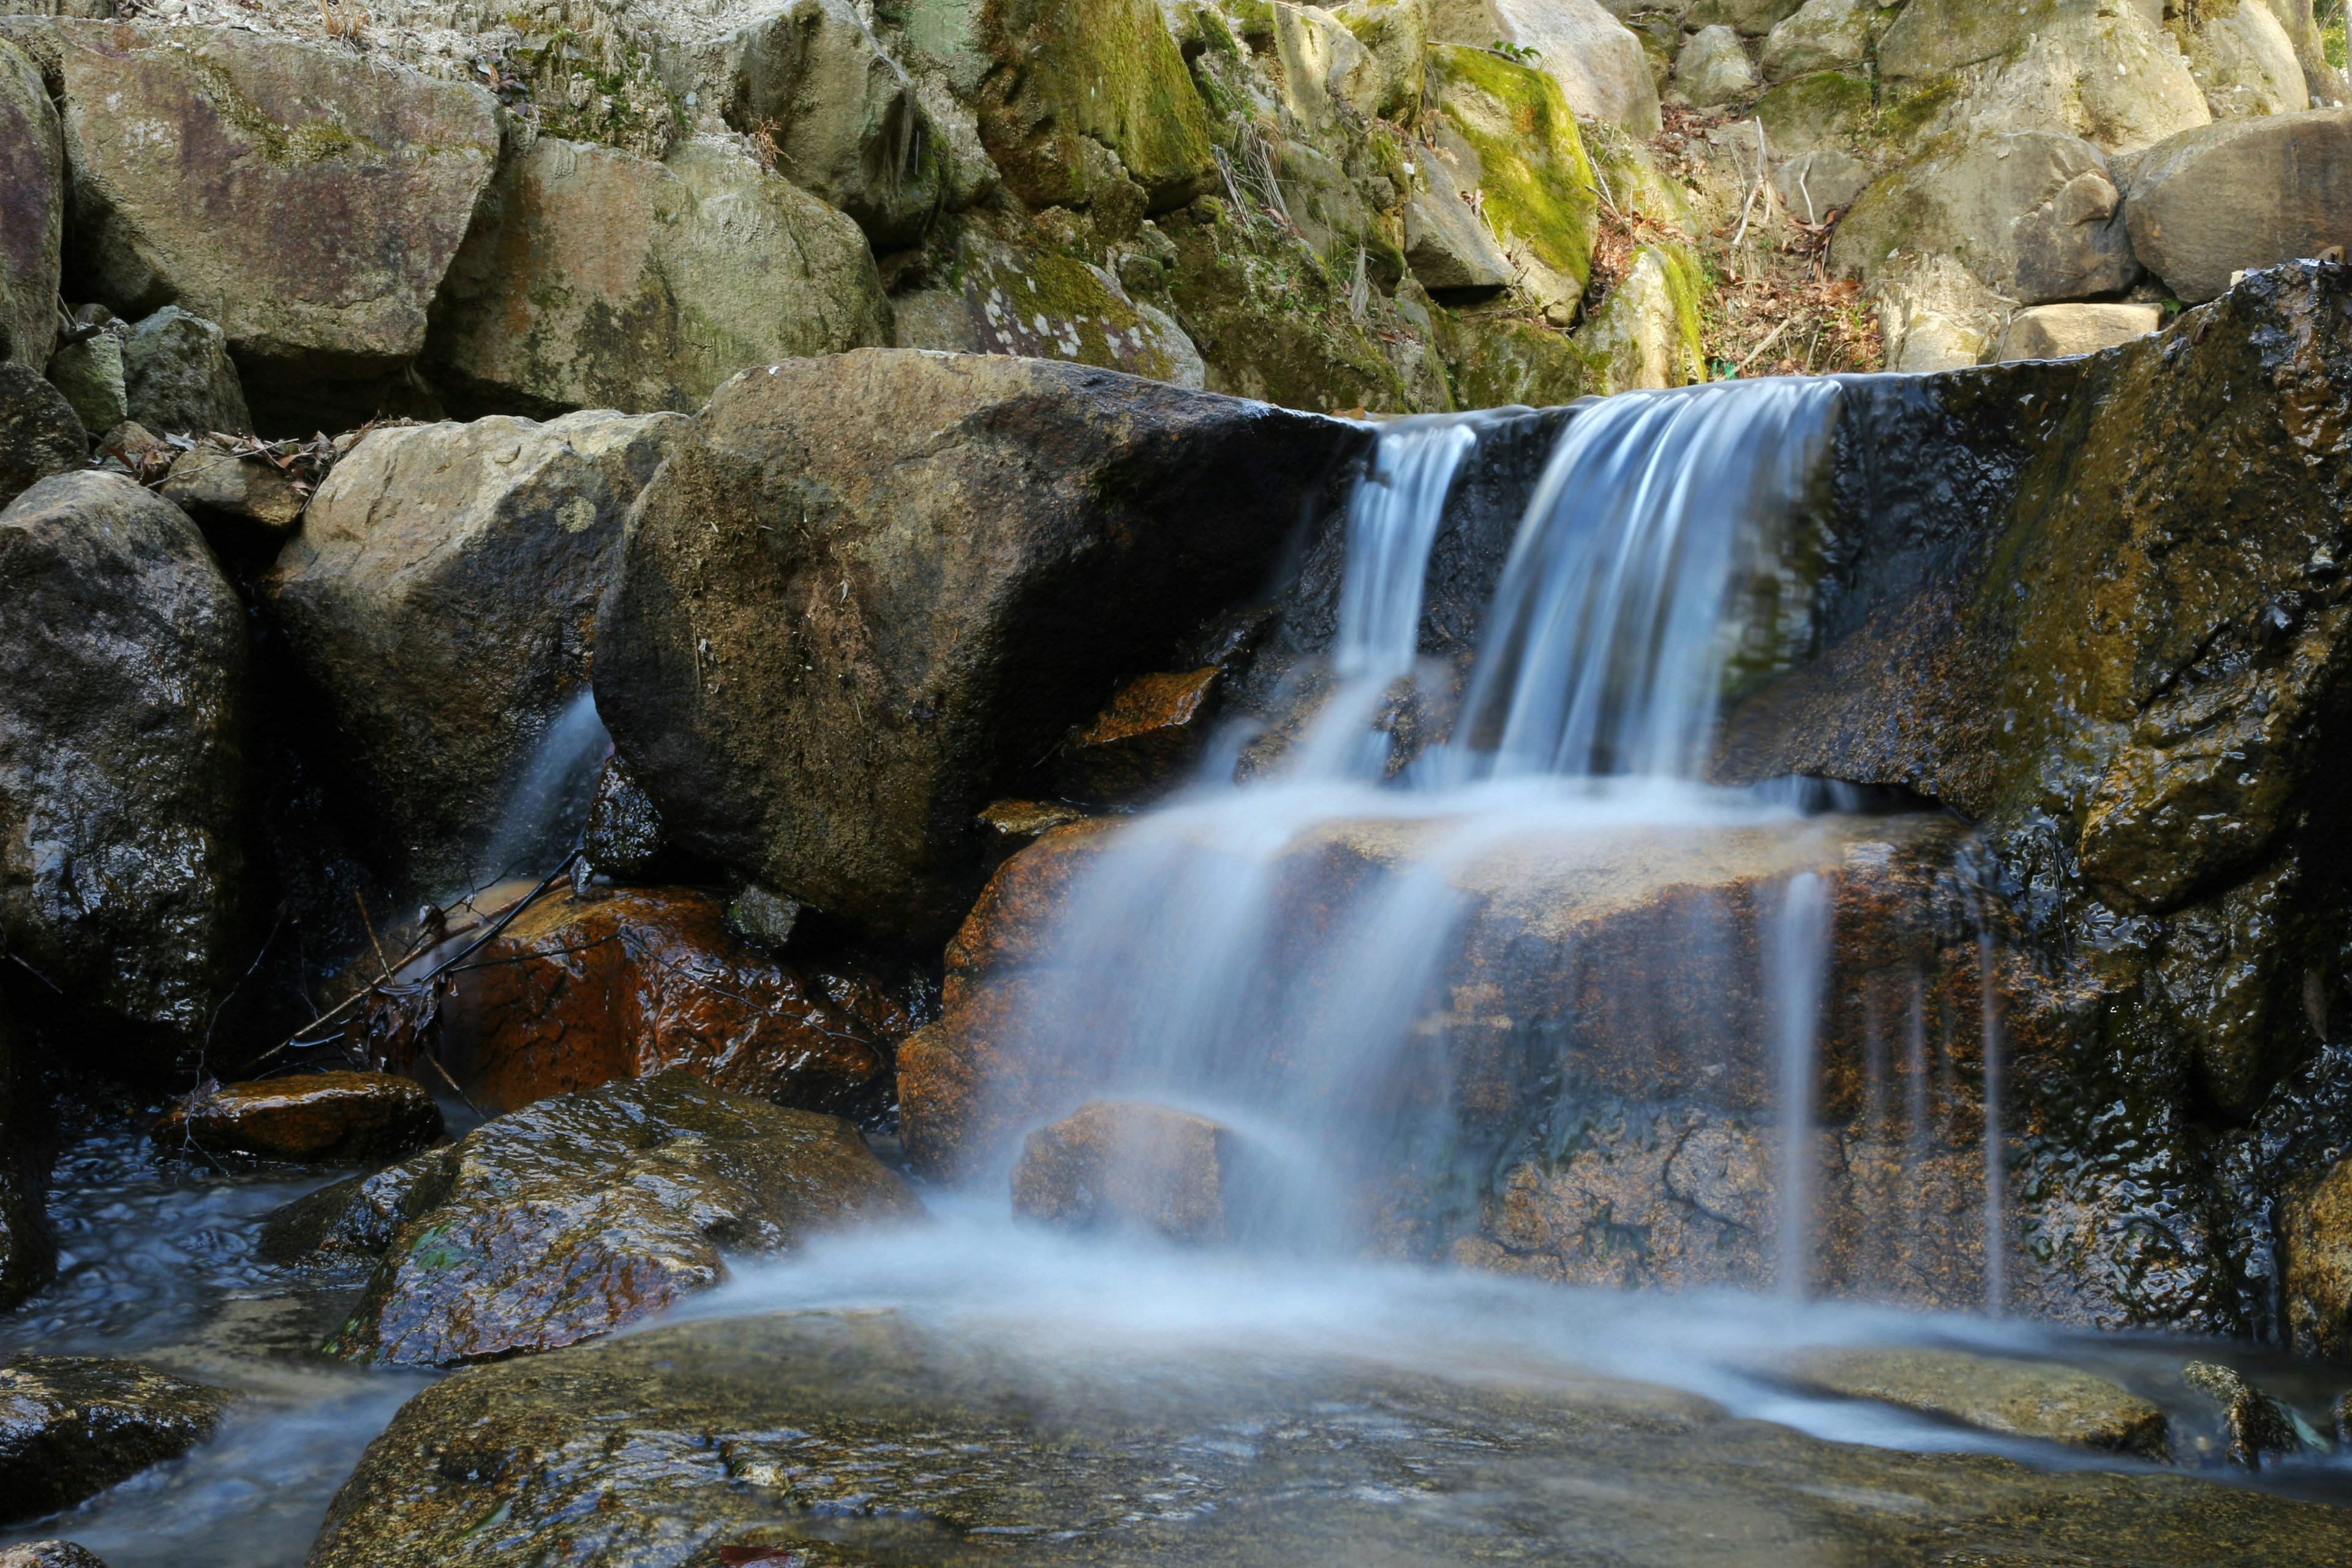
[
  {"x": 1800, "y": 959},
  {"x": 549, "y": 800}
]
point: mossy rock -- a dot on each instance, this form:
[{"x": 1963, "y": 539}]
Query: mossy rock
[
  {"x": 1535, "y": 177},
  {"x": 1503, "y": 360},
  {"x": 1647, "y": 332},
  {"x": 1823, "y": 109},
  {"x": 1044, "y": 305}
]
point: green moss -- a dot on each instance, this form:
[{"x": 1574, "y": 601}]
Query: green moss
[
  {"x": 1818, "y": 107},
  {"x": 1537, "y": 182},
  {"x": 312, "y": 142},
  {"x": 1900, "y": 123},
  {"x": 1630, "y": 179},
  {"x": 1105, "y": 69},
  {"x": 1503, "y": 360}
]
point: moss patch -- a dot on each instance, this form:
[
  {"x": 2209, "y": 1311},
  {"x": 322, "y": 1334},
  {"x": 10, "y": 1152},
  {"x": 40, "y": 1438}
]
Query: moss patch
[
  {"x": 1071, "y": 71},
  {"x": 1537, "y": 183},
  {"x": 1503, "y": 360}
]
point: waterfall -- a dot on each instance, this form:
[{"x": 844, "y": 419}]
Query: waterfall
[
  {"x": 1276, "y": 954},
  {"x": 550, "y": 799}
]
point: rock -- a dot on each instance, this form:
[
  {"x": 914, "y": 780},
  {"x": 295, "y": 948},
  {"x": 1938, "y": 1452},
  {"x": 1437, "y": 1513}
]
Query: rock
[
  {"x": 1749, "y": 18},
  {"x": 2239, "y": 195},
  {"x": 1322, "y": 66},
  {"x": 1821, "y": 35},
  {"x": 38, "y": 433},
  {"x": 2055, "y": 331},
  {"x": 1447, "y": 245},
  {"x": 1024, "y": 820},
  {"x": 314, "y": 1117},
  {"x": 1110, "y": 1164},
  {"x": 1530, "y": 168},
  {"x": 598, "y": 279},
  {"x": 1933, "y": 315},
  {"x": 1035, "y": 304},
  {"x": 1598, "y": 62},
  {"x": 131, "y": 448},
  {"x": 1713, "y": 69},
  {"x": 1823, "y": 111},
  {"x": 49, "y": 1554},
  {"x": 1150, "y": 731},
  {"x": 244, "y": 504},
  {"x": 587, "y": 1211},
  {"x": 32, "y": 212},
  {"x": 2245, "y": 63},
  {"x": 764, "y": 918},
  {"x": 1394, "y": 32},
  {"x": 803, "y": 724},
  {"x": 177, "y": 378},
  {"x": 2316, "y": 1262},
  {"x": 91, "y": 374},
  {"x": 624, "y": 831},
  {"x": 441, "y": 594},
  {"x": 2015, "y": 1398},
  {"x": 1498, "y": 361},
  {"x": 2254, "y": 1426},
  {"x": 124, "y": 825},
  {"x": 71, "y": 1426},
  {"x": 845, "y": 119},
  {"x": 228, "y": 172},
  {"x": 625, "y": 984},
  {"x": 2033, "y": 214},
  {"x": 1647, "y": 331},
  {"x": 1818, "y": 183},
  {"x": 1058, "y": 85}
]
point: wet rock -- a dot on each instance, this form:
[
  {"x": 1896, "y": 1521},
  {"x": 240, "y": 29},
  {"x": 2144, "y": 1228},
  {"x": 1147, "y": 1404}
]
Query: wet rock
[
  {"x": 1598, "y": 62},
  {"x": 2254, "y": 1426},
  {"x": 1530, "y": 165},
  {"x": 721, "y": 1437},
  {"x": 622, "y": 835},
  {"x": 178, "y": 379},
  {"x": 2238, "y": 196},
  {"x": 575, "y": 991},
  {"x": 587, "y": 1211},
  {"x": 32, "y": 213},
  {"x": 1713, "y": 69},
  {"x": 598, "y": 279},
  {"x": 441, "y": 595},
  {"x": 50, "y": 1554},
  {"x": 317, "y": 1116},
  {"x": 90, "y": 372},
  {"x": 2315, "y": 1263},
  {"x": 2015, "y": 1398},
  {"x": 1112, "y": 1164},
  {"x": 275, "y": 154},
  {"x": 123, "y": 771},
  {"x": 2034, "y": 214},
  {"x": 2055, "y": 331},
  {"x": 1150, "y": 732},
  {"x": 763, "y": 919},
  {"x": 246, "y": 505},
  {"x": 38, "y": 433},
  {"x": 801, "y": 723},
  {"x": 1024, "y": 820},
  {"x": 71, "y": 1427}
]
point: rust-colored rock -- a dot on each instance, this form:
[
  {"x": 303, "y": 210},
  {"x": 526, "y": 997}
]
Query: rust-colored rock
[
  {"x": 318, "y": 1116},
  {"x": 1113, "y": 1164},
  {"x": 1151, "y": 728},
  {"x": 577, "y": 992}
]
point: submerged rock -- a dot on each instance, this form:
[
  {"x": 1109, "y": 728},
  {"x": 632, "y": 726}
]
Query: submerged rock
[
  {"x": 624, "y": 983},
  {"x": 124, "y": 811},
  {"x": 819, "y": 672},
  {"x": 2015, "y": 1398},
  {"x": 584, "y": 1212},
  {"x": 39, "y": 435},
  {"x": 71, "y": 1426},
  {"x": 1113, "y": 1164},
  {"x": 316, "y": 1115},
  {"x": 2255, "y": 1427}
]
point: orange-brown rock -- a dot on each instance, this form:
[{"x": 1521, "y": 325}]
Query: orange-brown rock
[
  {"x": 1149, "y": 730},
  {"x": 624, "y": 983},
  {"x": 1115, "y": 1163},
  {"x": 317, "y": 1116}
]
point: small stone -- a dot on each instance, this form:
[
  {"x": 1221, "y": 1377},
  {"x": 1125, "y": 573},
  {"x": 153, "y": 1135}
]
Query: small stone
[
  {"x": 1713, "y": 69},
  {"x": 89, "y": 374},
  {"x": 71, "y": 1426},
  {"x": 50, "y": 1554},
  {"x": 767, "y": 919},
  {"x": 2254, "y": 1426},
  {"x": 318, "y": 1116},
  {"x": 39, "y": 435},
  {"x": 1112, "y": 1163},
  {"x": 2056, "y": 331},
  {"x": 2017, "y": 1398},
  {"x": 1152, "y": 729},
  {"x": 624, "y": 833},
  {"x": 1026, "y": 819},
  {"x": 235, "y": 499},
  {"x": 177, "y": 376}
]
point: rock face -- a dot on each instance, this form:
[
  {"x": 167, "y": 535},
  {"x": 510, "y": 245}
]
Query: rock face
[
  {"x": 2055, "y": 332},
  {"x": 2315, "y": 1252},
  {"x": 587, "y": 1211},
  {"x": 2015, "y": 1398},
  {"x": 318, "y": 1116},
  {"x": 599, "y": 279},
  {"x": 868, "y": 592},
  {"x": 1596, "y": 61},
  {"x": 177, "y": 378},
  {"x": 39, "y": 435},
  {"x": 32, "y": 212},
  {"x": 2238, "y": 196},
  {"x": 1113, "y": 1164},
  {"x": 2245, "y": 63},
  {"x": 578, "y": 991},
  {"x": 1529, "y": 162},
  {"x": 122, "y": 770},
  {"x": 441, "y": 595},
  {"x": 226, "y": 172},
  {"x": 71, "y": 1427}
]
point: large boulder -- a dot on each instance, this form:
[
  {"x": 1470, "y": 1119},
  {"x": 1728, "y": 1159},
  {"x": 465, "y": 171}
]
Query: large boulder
[
  {"x": 597, "y": 278},
  {"x": 867, "y": 592},
  {"x": 1516, "y": 142},
  {"x": 32, "y": 211},
  {"x": 1713, "y": 69},
  {"x": 441, "y": 598},
  {"x": 306, "y": 198},
  {"x": 2246, "y": 63},
  {"x": 71, "y": 1427},
  {"x": 1595, "y": 59},
  {"x": 123, "y": 801},
  {"x": 2241, "y": 194},
  {"x": 2055, "y": 332},
  {"x": 39, "y": 434},
  {"x": 585, "y": 1213},
  {"x": 177, "y": 378},
  {"x": 1822, "y": 35},
  {"x": 2034, "y": 214}
]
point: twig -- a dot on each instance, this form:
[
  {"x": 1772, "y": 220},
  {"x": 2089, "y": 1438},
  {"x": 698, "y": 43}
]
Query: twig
[
  {"x": 1749, "y": 205},
  {"x": 434, "y": 1062},
  {"x": 1770, "y": 339},
  {"x": 369, "y": 926}
]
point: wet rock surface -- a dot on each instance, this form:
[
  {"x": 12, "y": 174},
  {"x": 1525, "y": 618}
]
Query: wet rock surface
[
  {"x": 73, "y": 1426},
  {"x": 2016, "y": 1398},
  {"x": 39, "y": 434},
  {"x": 584, "y": 1212},
  {"x": 1145, "y": 736},
  {"x": 315, "y": 1116},
  {"x": 624, "y": 983},
  {"x": 2255, "y": 1428},
  {"x": 124, "y": 816},
  {"x": 28, "y": 1251},
  {"x": 1113, "y": 1164},
  {"x": 49, "y": 1554},
  {"x": 814, "y": 685},
  {"x": 844, "y": 1438}
]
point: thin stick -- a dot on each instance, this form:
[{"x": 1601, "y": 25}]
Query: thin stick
[
  {"x": 1770, "y": 339},
  {"x": 1749, "y": 205},
  {"x": 369, "y": 926}
]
